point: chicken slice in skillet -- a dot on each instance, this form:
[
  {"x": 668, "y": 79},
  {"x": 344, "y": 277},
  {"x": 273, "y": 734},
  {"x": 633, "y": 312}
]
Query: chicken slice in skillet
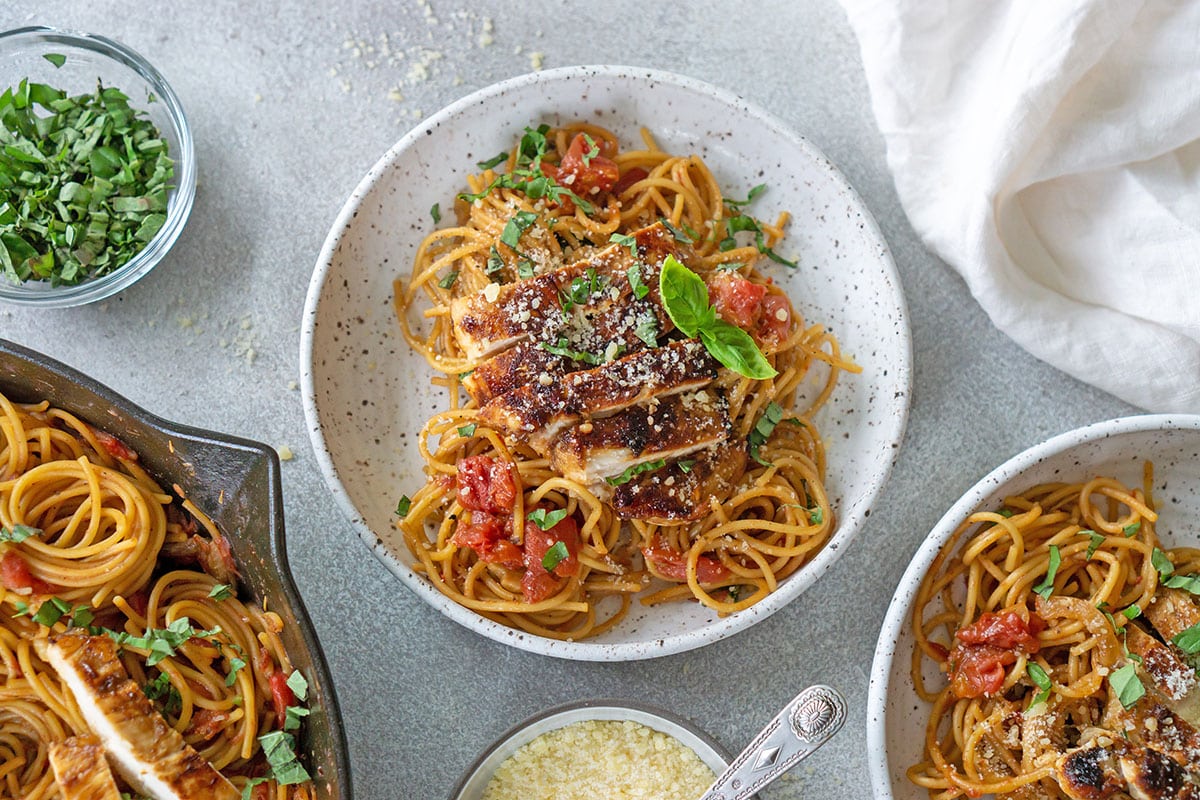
[
  {"x": 150, "y": 755},
  {"x": 81, "y": 770}
]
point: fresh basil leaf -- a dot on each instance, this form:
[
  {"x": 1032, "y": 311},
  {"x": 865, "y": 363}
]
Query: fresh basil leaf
[
  {"x": 680, "y": 235},
  {"x": 449, "y": 280},
  {"x": 162, "y": 689},
  {"x": 220, "y": 591},
  {"x": 554, "y": 556},
  {"x": 517, "y": 225},
  {"x": 436, "y": 212},
  {"x": 634, "y": 274},
  {"x": 734, "y": 348},
  {"x": 1126, "y": 683},
  {"x": 636, "y": 469},
  {"x": 561, "y": 349},
  {"x": 279, "y": 749},
  {"x": 1046, "y": 587},
  {"x": 403, "y": 506},
  {"x": 1133, "y": 612},
  {"x": 51, "y": 611},
  {"x": 647, "y": 330},
  {"x": 755, "y": 192},
  {"x": 1130, "y": 530},
  {"x": 298, "y": 685},
  {"x": 525, "y": 268},
  {"x": 592, "y": 151},
  {"x": 493, "y": 162},
  {"x": 1188, "y": 583},
  {"x": 467, "y": 431},
  {"x": 57, "y": 59},
  {"x": 625, "y": 240},
  {"x": 18, "y": 533},
  {"x": 162, "y": 642},
  {"x": 235, "y": 664},
  {"x": 763, "y": 428},
  {"x": 1041, "y": 680},
  {"x": 546, "y": 519},
  {"x": 293, "y": 716},
  {"x": 685, "y": 297},
  {"x": 1096, "y": 540},
  {"x": 1188, "y": 640},
  {"x": 686, "y": 464}
]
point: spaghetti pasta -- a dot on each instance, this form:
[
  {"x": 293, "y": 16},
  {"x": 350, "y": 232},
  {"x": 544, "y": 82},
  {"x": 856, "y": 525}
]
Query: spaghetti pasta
[
  {"x": 1050, "y": 617},
  {"x": 569, "y": 201},
  {"x": 89, "y": 542}
]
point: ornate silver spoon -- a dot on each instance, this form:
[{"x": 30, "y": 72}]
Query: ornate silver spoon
[{"x": 804, "y": 724}]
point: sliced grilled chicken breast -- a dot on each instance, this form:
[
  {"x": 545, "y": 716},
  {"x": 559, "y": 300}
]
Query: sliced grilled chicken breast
[
  {"x": 1167, "y": 674},
  {"x": 150, "y": 755},
  {"x": 81, "y": 770},
  {"x": 520, "y": 365},
  {"x": 676, "y": 494},
  {"x": 668, "y": 429},
  {"x": 1120, "y": 769},
  {"x": 546, "y": 306},
  {"x": 541, "y": 410},
  {"x": 1172, "y": 612}
]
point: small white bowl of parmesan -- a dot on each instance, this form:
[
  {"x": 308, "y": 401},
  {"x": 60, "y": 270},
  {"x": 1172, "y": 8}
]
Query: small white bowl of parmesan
[{"x": 596, "y": 750}]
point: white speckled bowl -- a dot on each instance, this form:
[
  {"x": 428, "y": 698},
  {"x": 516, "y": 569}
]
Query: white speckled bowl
[
  {"x": 366, "y": 394},
  {"x": 895, "y": 715}
]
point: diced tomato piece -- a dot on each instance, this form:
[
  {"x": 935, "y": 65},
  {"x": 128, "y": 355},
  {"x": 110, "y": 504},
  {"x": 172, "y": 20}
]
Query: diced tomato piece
[
  {"x": 486, "y": 484},
  {"x": 1008, "y": 630},
  {"x": 114, "y": 446},
  {"x": 538, "y": 542},
  {"x": 978, "y": 669},
  {"x": 15, "y": 575},
  {"x": 537, "y": 585},
  {"x": 207, "y": 723},
  {"x": 281, "y": 696},
  {"x": 776, "y": 321},
  {"x": 631, "y": 176},
  {"x": 487, "y": 535},
  {"x": 672, "y": 564},
  {"x": 586, "y": 175},
  {"x": 737, "y": 300}
]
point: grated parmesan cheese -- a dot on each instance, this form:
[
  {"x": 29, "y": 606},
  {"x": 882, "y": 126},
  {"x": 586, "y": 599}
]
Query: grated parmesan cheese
[{"x": 601, "y": 760}]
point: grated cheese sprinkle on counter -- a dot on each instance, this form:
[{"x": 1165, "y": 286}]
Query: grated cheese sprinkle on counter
[{"x": 601, "y": 760}]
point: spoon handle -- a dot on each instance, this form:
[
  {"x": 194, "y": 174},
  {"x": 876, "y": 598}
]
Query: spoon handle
[{"x": 803, "y": 725}]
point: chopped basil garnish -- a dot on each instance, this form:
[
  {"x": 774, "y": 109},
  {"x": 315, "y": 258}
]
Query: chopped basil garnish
[
  {"x": 1133, "y": 612},
  {"x": 1006, "y": 513},
  {"x": 162, "y": 689},
  {"x": 743, "y": 222},
  {"x": 562, "y": 349},
  {"x": 525, "y": 268},
  {"x": 235, "y": 664},
  {"x": 1130, "y": 530},
  {"x": 18, "y": 533},
  {"x": 494, "y": 262},
  {"x": 554, "y": 556},
  {"x": 57, "y": 59},
  {"x": 1046, "y": 587},
  {"x": 1126, "y": 683},
  {"x": 816, "y": 515},
  {"x": 527, "y": 177},
  {"x": 1041, "y": 680},
  {"x": 625, "y": 240},
  {"x": 636, "y": 469},
  {"x": 298, "y": 685},
  {"x": 546, "y": 519},
  {"x": 771, "y": 416},
  {"x": 592, "y": 151},
  {"x": 1162, "y": 563},
  {"x": 292, "y": 717},
  {"x": 517, "y": 225},
  {"x": 640, "y": 289},
  {"x": 449, "y": 280},
  {"x": 436, "y": 212},
  {"x": 85, "y": 183},
  {"x": 493, "y": 162},
  {"x": 280, "y": 749},
  {"x": 680, "y": 236},
  {"x": 686, "y": 464},
  {"x": 755, "y": 192},
  {"x": 685, "y": 297},
  {"x": 467, "y": 431},
  {"x": 647, "y": 330},
  {"x": 1096, "y": 540},
  {"x": 1188, "y": 640},
  {"x": 220, "y": 592},
  {"x": 1188, "y": 583},
  {"x": 51, "y": 611},
  {"x": 403, "y": 505},
  {"x": 162, "y": 642}
]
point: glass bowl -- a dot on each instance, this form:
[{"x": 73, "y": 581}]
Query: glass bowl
[
  {"x": 90, "y": 58},
  {"x": 477, "y": 776}
]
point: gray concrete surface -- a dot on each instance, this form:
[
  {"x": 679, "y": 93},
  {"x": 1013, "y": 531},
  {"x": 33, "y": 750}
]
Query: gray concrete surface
[{"x": 289, "y": 109}]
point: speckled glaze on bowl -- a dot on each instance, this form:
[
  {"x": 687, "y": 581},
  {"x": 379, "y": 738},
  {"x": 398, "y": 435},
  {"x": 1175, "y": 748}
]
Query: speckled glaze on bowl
[
  {"x": 236, "y": 482},
  {"x": 895, "y": 715},
  {"x": 90, "y": 58},
  {"x": 473, "y": 782},
  {"x": 367, "y": 395}
]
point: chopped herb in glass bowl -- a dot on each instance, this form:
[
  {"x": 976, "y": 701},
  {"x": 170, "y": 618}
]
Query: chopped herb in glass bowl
[{"x": 97, "y": 169}]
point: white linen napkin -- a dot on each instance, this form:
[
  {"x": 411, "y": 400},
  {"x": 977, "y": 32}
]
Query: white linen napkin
[{"x": 1050, "y": 153}]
